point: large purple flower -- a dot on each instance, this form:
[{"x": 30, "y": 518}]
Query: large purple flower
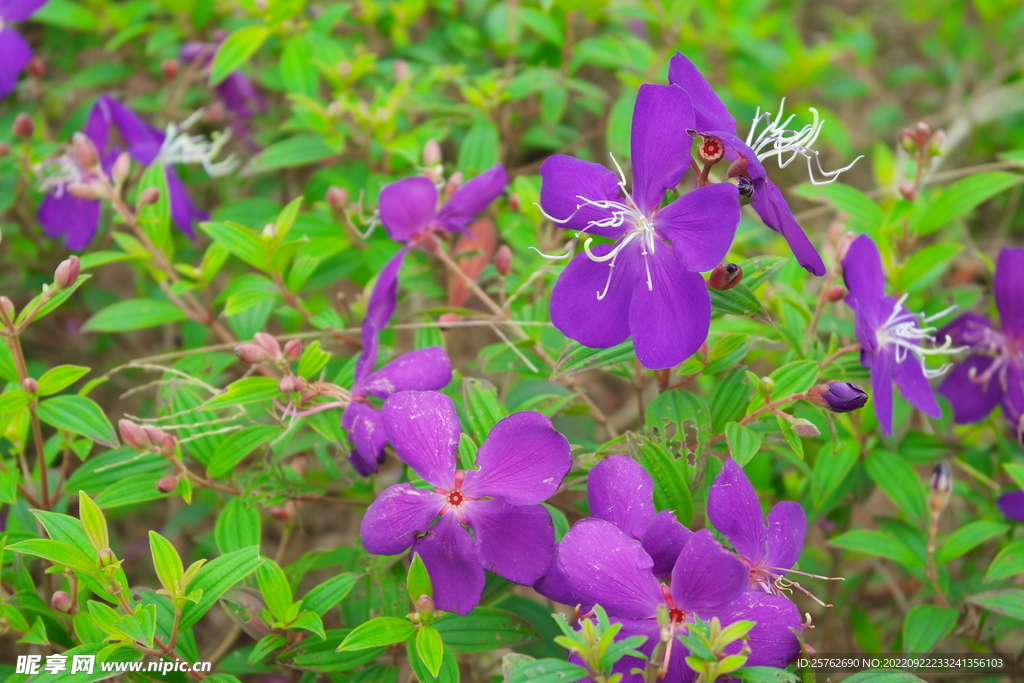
[
  {"x": 408, "y": 207},
  {"x": 15, "y": 52},
  {"x": 521, "y": 463},
  {"x": 711, "y": 118},
  {"x": 993, "y": 372},
  {"x": 889, "y": 336},
  {"x": 647, "y": 284},
  {"x": 609, "y": 568}
]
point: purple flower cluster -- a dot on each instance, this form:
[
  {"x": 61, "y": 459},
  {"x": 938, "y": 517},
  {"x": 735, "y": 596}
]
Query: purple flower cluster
[{"x": 15, "y": 52}]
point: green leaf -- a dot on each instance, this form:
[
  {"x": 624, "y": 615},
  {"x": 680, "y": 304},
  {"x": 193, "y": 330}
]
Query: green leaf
[
  {"x": 483, "y": 409},
  {"x": 216, "y": 577},
  {"x": 790, "y": 379},
  {"x": 926, "y": 625},
  {"x": 670, "y": 489},
  {"x": 899, "y": 480},
  {"x": 579, "y": 358},
  {"x": 236, "y": 51},
  {"x": 743, "y": 442},
  {"x": 961, "y": 197},
  {"x": 483, "y": 629},
  {"x": 764, "y": 674},
  {"x": 237, "y": 526},
  {"x": 135, "y": 314},
  {"x": 237, "y": 446},
  {"x": 67, "y": 14},
  {"x": 285, "y": 219},
  {"x": 8, "y": 371},
  {"x": 12, "y": 400},
  {"x": 138, "y": 488},
  {"x": 377, "y": 632},
  {"x": 297, "y": 66},
  {"x": 729, "y": 350},
  {"x": 245, "y": 390},
  {"x": 449, "y": 672},
  {"x": 60, "y": 377},
  {"x": 865, "y": 215},
  {"x": 1009, "y": 601},
  {"x": 276, "y": 590},
  {"x": 529, "y": 670},
  {"x": 52, "y": 303},
  {"x": 430, "y": 648},
  {"x": 741, "y": 301},
  {"x": 290, "y": 153},
  {"x": 309, "y": 621},
  {"x": 80, "y": 415},
  {"x": 967, "y": 538},
  {"x": 326, "y": 595},
  {"x": 479, "y": 149},
  {"x": 94, "y": 524},
  {"x": 266, "y": 645},
  {"x": 155, "y": 218},
  {"x": 924, "y": 267},
  {"x": 240, "y": 241},
  {"x": 1009, "y": 562},
  {"x": 167, "y": 563},
  {"x": 56, "y": 552},
  {"x": 878, "y": 544},
  {"x": 418, "y": 582},
  {"x": 312, "y": 361}
]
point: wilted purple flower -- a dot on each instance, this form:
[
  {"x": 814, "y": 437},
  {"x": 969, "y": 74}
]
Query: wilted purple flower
[
  {"x": 993, "y": 372},
  {"x": 609, "y": 568},
  {"x": 408, "y": 207},
  {"x": 621, "y": 492},
  {"x": 1011, "y": 504},
  {"x": 889, "y": 336},
  {"x": 420, "y": 370},
  {"x": 713, "y": 119},
  {"x": 15, "y": 52},
  {"x": 656, "y": 294},
  {"x": 521, "y": 463},
  {"x": 236, "y": 91}
]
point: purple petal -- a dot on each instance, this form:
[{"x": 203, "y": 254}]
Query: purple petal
[
  {"x": 398, "y": 515},
  {"x": 15, "y": 53},
  {"x": 555, "y": 584},
  {"x": 787, "y": 525},
  {"x": 663, "y": 539},
  {"x": 735, "y": 511},
  {"x": 972, "y": 401},
  {"x": 522, "y": 461},
  {"x": 382, "y": 303},
  {"x": 564, "y": 180},
  {"x": 701, "y": 225},
  {"x": 422, "y": 370},
  {"x": 707, "y": 575},
  {"x": 575, "y": 308},
  {"x": 1012, "y": 505},
  {"x": 881, "y": 391},
  {"x": 771, "y": 206},
  {"x": 238, "y": 93},
  {"x": 659, "y": 143},
  {"x": 144, "y": 141},
  {"x": 913, "y": 385},
  {"x": 772, "y": 643},
  {"x": 473, "y": 197},
  {"x": 19, "y": 10},
  {"x": 1009, "y": 290},
  {"x": 517, "y": 543},
  {"x": 69, "y": 217},
  {"x": 365, "y": 430},
  {"x": 448, "y": 554},
  {"x": 968, "y": 329},
  {"x": 183, "y": 211},
  {"x": 609, "y": 568},
  {"x": 1013, "y": 399},
  {"x": 424, "y": 430},
  {"x": 407, "y": 207},
  {"x": 670, "y": 320},
  {"x": 709, "y": 111},
  {"x": 621, "y": 492},
  {"x": 862, "y": 272},
  {"x": 193, "y": 49}
]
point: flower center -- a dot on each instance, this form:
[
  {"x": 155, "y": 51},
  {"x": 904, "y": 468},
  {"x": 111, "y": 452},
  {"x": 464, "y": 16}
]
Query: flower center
[
  {"x": 676, "y": 615},
  {"x": 902, "y": 331},
  {"x": 455, "y": 498}
]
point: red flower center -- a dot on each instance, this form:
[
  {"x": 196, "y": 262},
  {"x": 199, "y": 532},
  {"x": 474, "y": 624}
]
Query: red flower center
[
  {"x": 455, "y": 498},
  {"x": 676, "y": 615}
]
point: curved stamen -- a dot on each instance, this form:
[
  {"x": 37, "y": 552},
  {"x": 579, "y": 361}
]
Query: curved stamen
[
  {"x": 179, "y": 148},
  {"x": 901, "y": 330}
]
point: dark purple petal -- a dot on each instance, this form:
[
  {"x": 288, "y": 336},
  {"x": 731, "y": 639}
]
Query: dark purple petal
[
  {"x": 1013, "y": 399},
  {"x": 69, "y": 217},
  {"x": 407, "y": 207},
  {"x": 972, "y": 401},
  {"x": 183, "y": 211},
  {"x": 1012, "y": 505},
  {"x": 787, "y": 525},
  {"x": 709, "y": 111},
  {"x": 735, "y": 511},
  {"x": 670, "y": 320},
  {"x": 193, "y": 49},
  {"x": 15, "y": 53},
  {"x": 707, "y": 575},
  {"x": 609, "y": 568},
  {"x": 881, "y": 391},
  {"x": 771, "y": 206},
  {"x": 365, "y": 430},
  {"x": 621, "y": 492},
  {"x": 517, "y": 543},
  {"x": 396, "y": 517},
  {"x": 448, "y": 554},
  {"x": 575, "y": 308},
  {"x": 659, "y": 143},
  {"x": 143, "y": 140},
  {"x": 522, "y": 461},
  {"x": 19, "y": 10},
  {"x": 663, "y": 539},
  {"x": 865, "y": 280},
  {"x": 555, "y": 584},
  {"x": 1008, "y": 288},
  {"x": 566, "y": 181},
  {"x": 381, "y": 306},
  {"x": 914, "y": 387},
  {"x": 421, "y": 370},
  {"x": 772, "y": 643},
  {"x": 701, "y": 225},
  {"x": 967, "y": 329},
  {"x": 424, "y": 430},
  {"x": 239, "y": 95},
  {"x": 473, "y": 197}
]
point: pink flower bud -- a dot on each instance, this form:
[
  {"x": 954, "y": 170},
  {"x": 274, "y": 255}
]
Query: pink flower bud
[
  {"x": 5, "y": 149},
  {"x": 738, "y": 169},
  {"x": 268, "y": 343},
  {"x": 299, "y": 463},
  {"x": 293, "y": 350},
  {"x": 431, "y": 153},
  {"x": 835, "y": 293},
  {"x": 922, "y": 132},
  {"x": 168, "y": 445},
  {"x": 290, "y": 383},
  {"x": 425, "y": 605},
  {"x": 170, "y": 68},
  {"x": 503, "y": 260},
  {"x": 935, "y": 145},
  {"x": 134, "y": 436},
  {"x": 61, "y": 601},
  {"x": 215, "y": 113},
  {"x": 67, "y": 272},
  {"x": 252, "y": 353},
  {"x": 907, "y": 142},
  {"x": 167, "y": 484},
  {"x": 23, "y": 127},
  {"x": 907, "y": 190},
  {"x": 514, "y": 203},
  {"x": 30, "y": 385},
  {"x": 843, "y": 245},
  {"x": 446, "y": 319},
  {"x": 84, "y": 151},
  {"x": 107, "y": 558},
  {"x": 36, "y": 67},
  {"x": 454, "y": 183},
  {"x": 8, "y": 306},
  {"x": 283, "y": 513},
  {"x": 401, "y": 70},
  {"x": 150, "y": 195},
  {"x": 337, "y": 199},
  {"x": 122, "y": 167},
  {"x": 725, "y": 276},
  {"x": 804, "y": 428}
]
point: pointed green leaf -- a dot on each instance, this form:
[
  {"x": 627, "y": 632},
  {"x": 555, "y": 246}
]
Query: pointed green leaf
[
  {"x": 80, "y": 415},
  {"x": 93, "y": 522},
  {"x": 236, "y": 51},
  {"x": 135, "y": 314}
]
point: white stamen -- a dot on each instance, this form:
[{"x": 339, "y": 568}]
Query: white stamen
[
  {"x": 179, "y": 148},
  {"x": 54, "y": 174},
  {"x": 902, "y": 331}
]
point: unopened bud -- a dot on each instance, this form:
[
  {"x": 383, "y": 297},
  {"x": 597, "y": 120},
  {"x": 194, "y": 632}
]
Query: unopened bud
[
  {"x": 446, "y": 319},
  {"x": 299, "y": 463},
  {"x": 337, "y": 199},
  {"x": 268, "y": 343},
  {"x": 835, "y": 293},
  {"x": 122, "y": 167},
  {"x": 725, "y": 276},
  {"x": 167, "y": 484},
  {"x": 5, "y": 149},
  {"x": 345, "y": 69},
  {"x": 935, "y": 145},
  {"x": 67, "y": 272},
  {"x": 107, "y": 558},
  {"x": 8, "y": 306},
  {"x": 283, "y": 513},
  {"x": 270, "y": 230},
  {"x": 941, "y": 487},
  {"x": 84, "y": 151},
  {"x": 503, "y": 260},
  {"x": 383, "y": 114},
  {"x": 334, "y": 109},
  {"x": 23, "y": 126},
  {"x": 215, "y": 112},
  {"x": 514, "y": 203},
  {"x": 290, "y": 383},
  {"x": 252, "y": 353},
  {"x": 82, "y": 190},
  {"x": 61, "y": 602},
  {"x": 293, "y": 350},
  {"x": 150, "y": 195},
  {"x": 168, "y": 445},
  {"x": 737, "y": 169},
  {"x": 906, "y": 139},
  {"x": 36, "y": 67},
  {"x": 401, "y": 70},
  {"x": 425, "y": 605},
  {"x": 431, "y": 153},
  {"x": 170, "y": 68},
  {"x": 805, "y": 428},
  {"x": 710, "y": 150},
  {"x": 766, "y": 385},
  {"x": 703, "y": 350},
  {"x": 922, "y": 132},
  {"x": 453, "y": 184},
  {"x": 843, "y": 245},
  {"x": 30, "y": 385},
  {"x": 908, "y": 190},
  {"x": 838, "y": 396},
  {"x": 134, "y": 436}
]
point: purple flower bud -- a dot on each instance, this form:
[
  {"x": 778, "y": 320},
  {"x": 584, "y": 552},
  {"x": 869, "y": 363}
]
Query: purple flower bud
[
  {"x": 293, "y": 350},
  {"x": 23, "y": 127},
  {"x": 61, "y": 601},
  {"x": 67, "y": 272},
  {"x": 431, "y": 153},
  {"x": 268, "y": 343},
  {"x": 838, "y": 396},
  {"x": 84, "y": 151},
  {"x": 503, "y": 260},
  {"x": 725, "y": 276},
  {"x": 252, "y": 353},
  {"x": 940, "y": 488},
  {"x": 134, "y": 436},
  {"x": 150, "y": 195},
  {"x": 290, "y": 383},
  {"x": 122, "y": 167},
  {"x": 30, "y": 385},
  {"x": 167, "y": 484}
]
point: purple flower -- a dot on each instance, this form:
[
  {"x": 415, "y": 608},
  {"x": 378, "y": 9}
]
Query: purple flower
[
  {"x": 621, "y": 492},
  {"x": 408, "y": 207},
  {"x": 993, "y": 372},
  {"x": 711, "y": 118},
  {"x": 768, "y": 551},
  {"x": 647, "y": 284},
  {"x": 236, "y": 91},
  {"x": 889, "y": 336},
  {"x": 521, "y": 463},
  {"x": 1011, "y": 504},
  {"x": 609, "y": 568},
  {"x": 420, "y": 370},
  {"x": 15, "y": 52}
]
